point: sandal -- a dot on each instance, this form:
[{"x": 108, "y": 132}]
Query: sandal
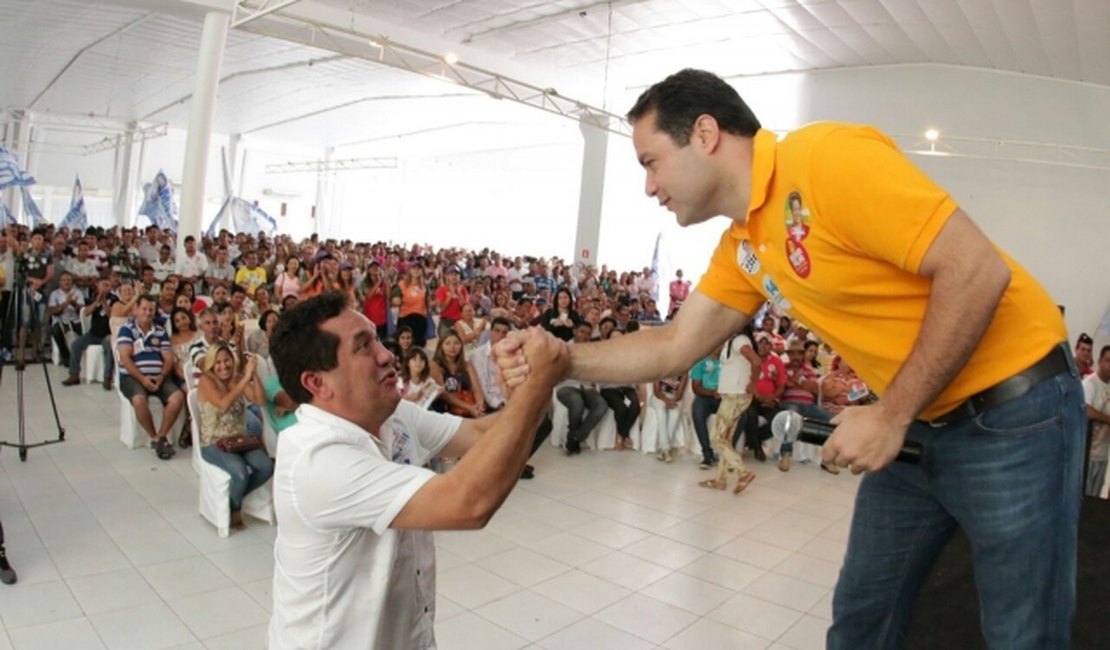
[
  {"x": 163, "y": 449},
  {"x": 743, "y": 482},
  {"x": 713, "y": 483}
]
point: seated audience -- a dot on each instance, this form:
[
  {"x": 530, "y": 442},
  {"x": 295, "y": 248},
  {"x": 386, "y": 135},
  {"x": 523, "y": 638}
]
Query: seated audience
[
  {"x": 259, "y": 340},
  {"x": 668, "y": 410},
  {"x": 469, "y": 328},
  {"x": 585, "y": 405},
  {"x": 800, "y": 395},
  {"x": 146, "y": 369},
  {"x": 64, "y": 307},
  {"x": 222, "y": 395},
  {"x": 462, "y": 392},
  {"x": 99, "y": 333},
  {"x": 1096, "y": 392},
  {"x": 561, "y": 320},
  {"x": 416, "y": 376}
]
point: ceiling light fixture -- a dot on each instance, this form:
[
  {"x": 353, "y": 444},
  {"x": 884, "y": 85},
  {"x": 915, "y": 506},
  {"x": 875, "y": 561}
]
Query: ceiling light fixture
[
  {"x": 931, "y": 135},
  {"x": 451, "y": 58}
]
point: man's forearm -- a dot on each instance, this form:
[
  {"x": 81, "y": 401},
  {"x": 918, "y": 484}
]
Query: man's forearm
[
  {"x": 949, "y": 334},
  {"x": 1095, "y": 415}
]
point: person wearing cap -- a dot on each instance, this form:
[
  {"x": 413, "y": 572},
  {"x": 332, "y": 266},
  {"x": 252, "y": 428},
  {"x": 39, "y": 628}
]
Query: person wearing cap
[
  {"x": 837, "y": 228},
  {"x": 803, "y": 383},
  {"x": 450, "y": 297}
]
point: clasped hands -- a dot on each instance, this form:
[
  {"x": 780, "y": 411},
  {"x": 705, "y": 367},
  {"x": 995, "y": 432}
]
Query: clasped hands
[{"x": 531, "y": 354}]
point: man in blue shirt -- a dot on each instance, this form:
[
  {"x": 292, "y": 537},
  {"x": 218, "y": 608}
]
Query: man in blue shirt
[{"x": 146, "y": 368}]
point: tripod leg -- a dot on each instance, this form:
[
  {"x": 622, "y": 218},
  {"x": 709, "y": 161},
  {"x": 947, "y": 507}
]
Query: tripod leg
[{"x": 53, "y": 404}]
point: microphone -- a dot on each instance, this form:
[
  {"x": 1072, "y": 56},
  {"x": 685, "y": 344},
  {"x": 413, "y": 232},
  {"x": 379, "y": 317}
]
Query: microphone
[{"x": 790, "y": 426}]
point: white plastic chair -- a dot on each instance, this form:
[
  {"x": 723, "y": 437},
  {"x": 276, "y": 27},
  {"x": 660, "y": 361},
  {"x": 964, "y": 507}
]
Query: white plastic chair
[
  {"x": 214, "y": 500},
  {"x": 654, "y": 417},
  {"x": 131, "y": 433},
  {"x": 602, "y": 437}
]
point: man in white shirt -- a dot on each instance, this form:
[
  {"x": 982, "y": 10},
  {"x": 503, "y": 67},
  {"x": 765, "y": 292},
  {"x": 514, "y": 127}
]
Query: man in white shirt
[
  {"x": 164, "y": 265},
  {"x": 354, "y": 557},
  {"x": 193, "y": 265},
  {"x": 1096, "y": 392},
  {"x": 63, "y": 305}
]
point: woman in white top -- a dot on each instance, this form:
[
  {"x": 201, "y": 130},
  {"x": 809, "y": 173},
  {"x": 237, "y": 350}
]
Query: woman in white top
[
  {"x": 735, "y": 386},
  {"x": 288, "y": 282},
  {"x": 469, "y": 328}
]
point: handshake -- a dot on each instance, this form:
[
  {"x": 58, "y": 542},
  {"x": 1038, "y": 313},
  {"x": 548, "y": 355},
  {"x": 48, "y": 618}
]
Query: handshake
[{"x": 531, "y": 356}]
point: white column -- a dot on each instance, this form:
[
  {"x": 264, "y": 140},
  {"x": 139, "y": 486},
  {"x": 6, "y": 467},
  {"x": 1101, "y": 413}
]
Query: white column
[
  {"x": 129, "y": 218},
  {"x": 123, "y": 204},
  {"x": 197, "y": 141},
  {"x": 590, "y": 194},
  {"x": 324, "y": 226},
  {"x": 21, "y": 139}
]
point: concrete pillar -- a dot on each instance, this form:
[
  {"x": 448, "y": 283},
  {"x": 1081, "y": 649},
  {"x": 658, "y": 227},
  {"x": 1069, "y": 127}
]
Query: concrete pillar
[
  {"x": 592, "y": 191},
  {"x": 123, "y": 202},
  {"x": 211, "y": 54},
  {"x": 325, "y": 226}
]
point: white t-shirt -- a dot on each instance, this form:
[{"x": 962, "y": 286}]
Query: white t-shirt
[
  {"x": 194, "y": 266},
  {"x": 736, "y": 370},
  {"x": 342, "y": 577},
  {"x": 1096, "y": 393}
]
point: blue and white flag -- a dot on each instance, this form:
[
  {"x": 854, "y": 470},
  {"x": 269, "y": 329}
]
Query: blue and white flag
[
  {"x": 10, "y": 171},
  {"x": 6, "y": 216},
  {"x": 30, "y": 208},
  {"x": 77, "y": 218},
  {"x": 158, "y": 203},
  {"x": 244, "y": 217}
]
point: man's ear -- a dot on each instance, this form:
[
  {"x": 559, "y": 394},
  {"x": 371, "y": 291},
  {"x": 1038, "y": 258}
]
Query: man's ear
[
  {"x": 314, "y": 382},
  {"x": 706, "y": 133}
]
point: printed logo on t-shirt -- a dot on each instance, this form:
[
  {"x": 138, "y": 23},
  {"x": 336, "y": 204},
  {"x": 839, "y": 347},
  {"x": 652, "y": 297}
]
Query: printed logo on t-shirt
[
  {"x": 796, "y": 216},
  {"x": 399, "y": 451},
  {"x": 745, "y": 257},
  {"x": 798, "y": 257},
  {"x": 775, "y": 294}
]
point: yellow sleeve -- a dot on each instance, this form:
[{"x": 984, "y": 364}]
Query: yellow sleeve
[
  {"x": 725, "y": 282},
  {"x": 875, "y": 199}
]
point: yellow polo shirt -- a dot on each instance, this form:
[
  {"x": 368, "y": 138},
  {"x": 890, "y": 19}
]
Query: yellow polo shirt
[{"x": 838, "y": 225}]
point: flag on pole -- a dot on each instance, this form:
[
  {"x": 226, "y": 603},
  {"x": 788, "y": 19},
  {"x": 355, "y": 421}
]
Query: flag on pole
[
  {"x": 158, "y": 203},
  {"x": 244, "y": 217},
  {"x": 30, "y": 208},
  {"x": 6, "y": 216},
  {"x": 77, "y": 218},
  {"x": 10, "y": 171}
]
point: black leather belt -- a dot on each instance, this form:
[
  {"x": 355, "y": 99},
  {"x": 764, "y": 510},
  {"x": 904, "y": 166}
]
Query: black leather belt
[{"x": 1055, "y": 362}]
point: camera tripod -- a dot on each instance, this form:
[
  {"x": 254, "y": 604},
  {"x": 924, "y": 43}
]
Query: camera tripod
[{"x": 15, "y": 313}]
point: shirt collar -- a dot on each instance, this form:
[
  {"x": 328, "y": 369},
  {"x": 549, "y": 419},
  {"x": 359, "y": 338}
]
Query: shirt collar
[
  {"x": 763, "y": 167},
  {"x": 334, "y": 423}
]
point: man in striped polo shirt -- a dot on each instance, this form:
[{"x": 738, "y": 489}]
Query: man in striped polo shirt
[{"x": 145, "y": 369}]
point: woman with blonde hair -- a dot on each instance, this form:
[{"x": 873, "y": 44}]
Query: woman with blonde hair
[{"x": 225, "y": 439}]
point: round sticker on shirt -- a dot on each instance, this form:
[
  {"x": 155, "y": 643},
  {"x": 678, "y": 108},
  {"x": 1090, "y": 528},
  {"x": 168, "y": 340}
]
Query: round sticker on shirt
[
  {"x": 796, "y": 217},
  {"x": 776, "y": 296},
  {"x": 745, "y": 257},
  {"x": 799, "y": 258}
]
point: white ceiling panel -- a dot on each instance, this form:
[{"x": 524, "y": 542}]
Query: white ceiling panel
[{"x": 134, "y": 61}]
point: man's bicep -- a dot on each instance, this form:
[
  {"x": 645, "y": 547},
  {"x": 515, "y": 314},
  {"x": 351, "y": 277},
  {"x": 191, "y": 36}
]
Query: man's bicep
[
  {"x": 958, "y": 242},
  {"x": 702, "y": 324}
]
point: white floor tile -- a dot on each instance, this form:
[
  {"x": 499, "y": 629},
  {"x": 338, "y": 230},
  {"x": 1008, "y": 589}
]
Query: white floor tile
[
  {"x": 664, "y": 552},
  {"x": 469, "y": 631},
  {"x": 582, "y": 591},
  {"x": 522, "y": 566},
  {"x": 472, "y": 586},
  {"x": 529, "y": 615},
  {"x": 646, "y": 618},
  {"x": 31, "y": 604},
  {"x": 592, "y": 633},
  {"x": 214, "y": 613},
  {"x": 571, "y": 550},
  {"x": 149, "y": 627},
  {"x": 689, "y": 593},
  {"x": 185, "y": 577},
  {"x": 750, "y": 551},
  {"x": 706, "y": 634},
  {"x": 626, "y": 570},
  {"x": 755, "y": 616},
  {"x": 807, "y": 634},
  {"x": 251, "y": 638},
  {"x": 610, "y": 533},
  {"x": 72, "y": 634},
  {"x": 723, "y": 571},
  {"x": 105, "y": 592},
  {"x": 788, "y": 592}
]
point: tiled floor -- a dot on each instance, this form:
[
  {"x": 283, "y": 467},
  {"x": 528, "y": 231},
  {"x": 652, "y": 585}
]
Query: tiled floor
[{"x": 603, "y": 550}]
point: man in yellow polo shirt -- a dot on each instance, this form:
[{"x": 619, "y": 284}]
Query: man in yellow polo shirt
[{"x": 840, "y": 231}]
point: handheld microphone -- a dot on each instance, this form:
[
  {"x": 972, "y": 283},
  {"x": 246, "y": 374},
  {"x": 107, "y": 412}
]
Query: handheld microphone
[{"x": 790, "y": 426}]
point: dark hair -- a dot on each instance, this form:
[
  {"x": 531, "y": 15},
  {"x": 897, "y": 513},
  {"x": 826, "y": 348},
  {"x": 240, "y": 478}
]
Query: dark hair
[
  {"x": 415, "y": 351},
  {"x": 812, "y": 344},
  {"x": 145, "y": 297},
  {"x": 190, "y": 238},
  {"x": 266, "y": 314},
  {"x": 187, "y": 312},
  {"x": 607, "y": 319},
  {"x": 680, "y": 99},
  {"x": 440, "y": 357},
  {"x": 1103, "y": 351},
  {"x": 632, "y": 326},
  {"x": 298, "y": 345},
  {"x": 501, "y": 320},
  {"x": 1084, "y": 338},
  {"x": 237, "y": 288}
]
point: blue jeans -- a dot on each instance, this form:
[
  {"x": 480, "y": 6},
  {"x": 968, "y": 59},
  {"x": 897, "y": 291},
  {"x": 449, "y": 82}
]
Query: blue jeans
[
  {"x": 248, "y": 471},
  {"x": 808, "y": 411},
  {"x": 1010, "y": 478},
  {"x": 82, "y": 343}
]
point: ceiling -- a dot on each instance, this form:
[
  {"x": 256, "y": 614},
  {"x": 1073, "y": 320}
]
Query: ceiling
[{"x": 134, "y": 59}]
